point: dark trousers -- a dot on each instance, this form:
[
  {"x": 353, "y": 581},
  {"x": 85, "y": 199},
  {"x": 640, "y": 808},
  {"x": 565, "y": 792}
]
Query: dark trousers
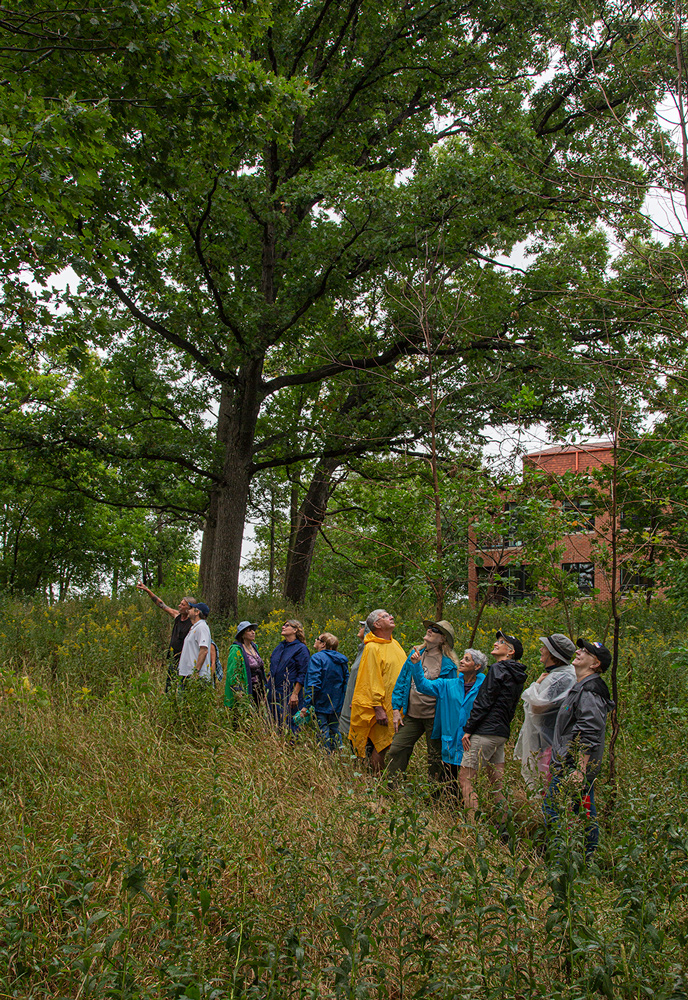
[
  {"x": 399, "y": 753},
  {"x": 582, "y": 799},
  {"x": 328, "y": 723},
  {"x": 451, "y": 777}
]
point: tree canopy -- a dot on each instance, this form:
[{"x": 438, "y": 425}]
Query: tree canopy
[{"x": 243, "y": 192}]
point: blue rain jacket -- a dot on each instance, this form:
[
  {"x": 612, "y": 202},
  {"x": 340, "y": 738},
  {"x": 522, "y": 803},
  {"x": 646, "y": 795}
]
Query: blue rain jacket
[
  {"x": 453, "y": 708},
  {"x": 288, "y": 666},
  {"x": 328, "y": 673},
  {"x": 402, "y": 689}
]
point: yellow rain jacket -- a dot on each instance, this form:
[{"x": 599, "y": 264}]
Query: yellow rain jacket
[{"x": 381, "y": 664}]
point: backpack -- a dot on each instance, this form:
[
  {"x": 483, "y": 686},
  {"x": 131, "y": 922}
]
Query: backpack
[{"x": 219, "y": 669}]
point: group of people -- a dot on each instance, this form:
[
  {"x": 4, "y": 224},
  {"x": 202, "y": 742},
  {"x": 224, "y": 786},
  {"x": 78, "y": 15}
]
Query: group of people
[{"x": 388, "y": 701}]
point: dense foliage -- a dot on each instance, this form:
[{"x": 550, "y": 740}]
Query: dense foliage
[{"x": 284, "y": 228}]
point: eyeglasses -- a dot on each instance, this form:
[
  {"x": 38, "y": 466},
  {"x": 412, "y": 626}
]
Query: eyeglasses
[
  {"x": 321, "y": 638},
  {"x": 437, "y": 631}
]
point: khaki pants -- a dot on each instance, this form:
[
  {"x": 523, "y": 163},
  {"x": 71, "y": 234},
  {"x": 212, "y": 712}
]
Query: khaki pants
[{"x": 399, "y": 753}]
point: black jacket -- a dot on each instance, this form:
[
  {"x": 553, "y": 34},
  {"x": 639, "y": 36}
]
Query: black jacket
[{"x": 495, "y": 704}]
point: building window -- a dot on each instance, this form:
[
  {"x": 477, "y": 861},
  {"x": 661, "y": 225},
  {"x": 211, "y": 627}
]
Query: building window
[
  {"x": 507, "y": 584},
  {"x": 578, "y": 516},
  {"x": 510, "y": 539},
  {"x": 630, "y": 580},
  {"x": 583, "y": 573},
  {"x": 639, "y": 517}
]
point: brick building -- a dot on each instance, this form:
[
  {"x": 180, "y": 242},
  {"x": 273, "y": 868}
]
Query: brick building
[{"x": 577, "y": 558}]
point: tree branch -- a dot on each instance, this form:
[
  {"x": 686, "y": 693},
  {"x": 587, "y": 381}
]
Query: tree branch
[{"x": 172, "y": 338}]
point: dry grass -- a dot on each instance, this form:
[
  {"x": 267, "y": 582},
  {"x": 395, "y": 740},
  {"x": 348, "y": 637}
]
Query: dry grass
[{"x": 154, "y": 852}]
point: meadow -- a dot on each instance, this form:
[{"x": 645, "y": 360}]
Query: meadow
[{"x": 152, "y": 849}]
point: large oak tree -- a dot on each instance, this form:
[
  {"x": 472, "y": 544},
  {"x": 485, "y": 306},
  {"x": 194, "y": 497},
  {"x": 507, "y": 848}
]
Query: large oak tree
[{"x": 257, "y": 170}]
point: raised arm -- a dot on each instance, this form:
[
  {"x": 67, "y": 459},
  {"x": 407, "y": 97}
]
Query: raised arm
[
  {"x": 423, "y": 684},
  {"x": 157, "y": 600}
]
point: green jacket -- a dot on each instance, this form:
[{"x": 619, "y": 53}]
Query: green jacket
[{"x": 238, "y": 676}]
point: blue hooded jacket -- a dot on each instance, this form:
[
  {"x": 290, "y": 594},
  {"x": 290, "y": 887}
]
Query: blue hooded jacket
[
  {"x": 402, "y": 689},
  {"x": 453, "y": 708},
  {"x": 328, "y": 673},
  {"x": 288, "y": 666}
]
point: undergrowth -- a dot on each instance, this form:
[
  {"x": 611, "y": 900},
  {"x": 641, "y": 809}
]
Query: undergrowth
[{"x": 154, "y": 850}]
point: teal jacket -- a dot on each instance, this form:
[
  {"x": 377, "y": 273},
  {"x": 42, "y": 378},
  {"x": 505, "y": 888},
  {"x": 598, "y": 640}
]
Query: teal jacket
[
  {"x": 453, "y": 708},
  {"x": 402, "y": 689}
]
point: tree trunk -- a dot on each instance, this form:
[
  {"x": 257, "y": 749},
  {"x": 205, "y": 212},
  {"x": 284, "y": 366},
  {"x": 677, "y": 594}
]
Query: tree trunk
[
  {"x": 310, "y": 518},
  {"x": 160, "y": 562},
  {"x": 293, "y": 528},
  {"x": 236, "y": 427},
  {"x": 222, "y": 589},
  {"x": 616, "y": 617},
  {"x": 271, "y": 576},
  {"x": 208, "y": 545}
]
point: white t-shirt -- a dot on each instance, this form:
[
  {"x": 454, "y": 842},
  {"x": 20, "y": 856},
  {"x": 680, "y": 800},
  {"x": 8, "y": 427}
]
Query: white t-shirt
[{"x": 199, "y": 635}]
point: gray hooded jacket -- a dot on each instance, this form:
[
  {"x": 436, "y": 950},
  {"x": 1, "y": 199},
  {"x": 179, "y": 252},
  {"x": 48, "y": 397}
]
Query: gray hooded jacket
[{"x": 581, "y": 724}]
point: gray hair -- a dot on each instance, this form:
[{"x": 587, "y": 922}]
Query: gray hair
[
  {"x": 373, "y": 617},
  {"x": 479, "y": 658}
]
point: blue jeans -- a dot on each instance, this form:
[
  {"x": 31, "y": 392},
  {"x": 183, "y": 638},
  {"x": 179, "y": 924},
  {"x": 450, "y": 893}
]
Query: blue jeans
[
  {"x": 329, "y": 730},
  {"x": 583, "y": 798}
]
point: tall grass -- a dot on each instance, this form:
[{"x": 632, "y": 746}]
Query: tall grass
[{"x": 154, "y": 850}]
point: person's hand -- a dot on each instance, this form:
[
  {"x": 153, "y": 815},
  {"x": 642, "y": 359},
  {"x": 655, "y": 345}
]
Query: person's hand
[
  {"x": 294, "y": 701},
  {"x": 577, "y": 777},
  {"x": 398, "y": 719},
  {"x": 415, "y": 655},
  {"x": 381, "y": 715},
  {"x": 466, "y": 742},
  {"x": 141, "y": 585},
  {"x": 541, "y": 677}
]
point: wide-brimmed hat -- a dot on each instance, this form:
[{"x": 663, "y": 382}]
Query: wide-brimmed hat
[
  {"x": 242, "y": 626},
  {"x": 445, "y": 628},
  {"x": 597, "y": 649},
  {"x": 513, "y": 641},
  {"x": 559, "y": 645}
]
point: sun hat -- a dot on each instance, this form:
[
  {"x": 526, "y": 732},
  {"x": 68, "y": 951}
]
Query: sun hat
[
  {"x": 242, "y": 626},
  {"x": 559, "y": 645},
  {"x": 445, "y": 628}
]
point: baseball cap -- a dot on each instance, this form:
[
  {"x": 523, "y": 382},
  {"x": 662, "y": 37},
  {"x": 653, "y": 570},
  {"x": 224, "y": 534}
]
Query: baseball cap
[
  {"x": 597, "y": 649},
  {"x": 203, "y": 608},
  {"x": 513, "y": 641}
]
